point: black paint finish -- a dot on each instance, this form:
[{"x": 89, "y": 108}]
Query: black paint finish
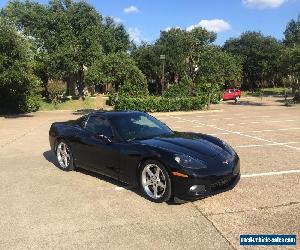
[{"x": 120, "y": 158}]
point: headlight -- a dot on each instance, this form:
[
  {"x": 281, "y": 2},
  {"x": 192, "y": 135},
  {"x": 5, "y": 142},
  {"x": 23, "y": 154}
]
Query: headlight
[{"x": 189, "y": 162}]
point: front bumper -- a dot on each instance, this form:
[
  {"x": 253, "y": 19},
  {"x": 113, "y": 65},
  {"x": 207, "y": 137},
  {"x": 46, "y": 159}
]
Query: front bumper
[{"x": 195, "y": 187}]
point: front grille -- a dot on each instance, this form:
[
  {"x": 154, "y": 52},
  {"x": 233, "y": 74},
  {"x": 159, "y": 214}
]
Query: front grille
[{"x": 223, "y": 183}]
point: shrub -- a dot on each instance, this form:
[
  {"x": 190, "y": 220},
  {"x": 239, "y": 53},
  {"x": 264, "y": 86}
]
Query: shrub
[
  {"x": 186, "y": 87},
  {"x": 161, "y": 104},
  {"x": 19, "y": 87},
  {"x": 56, "y": 89}
]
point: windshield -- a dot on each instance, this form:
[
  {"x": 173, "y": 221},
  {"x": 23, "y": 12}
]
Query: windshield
[{"x": 139, "y": 126}]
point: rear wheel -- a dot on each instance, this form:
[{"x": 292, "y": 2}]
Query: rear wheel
[
  {"x": 64, "y": 156},
  {"x": 237, "y": 98},
  {"x": 155, "y": 181}
]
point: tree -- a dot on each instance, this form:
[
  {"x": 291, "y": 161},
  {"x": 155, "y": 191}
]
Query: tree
[
  {"x": 214, "y": 67},
  {"x": 260, "y": 56},
  {"x": 18, "y": 84},
  {"x": 292, "y": 32},
  {"x": 115, "y": 37},
  {"x": 178, "y": 46},
  {"x": 70, "y": 36},
  {"x": 120, "y": 70},
  {"x": 147, "y": 59}
]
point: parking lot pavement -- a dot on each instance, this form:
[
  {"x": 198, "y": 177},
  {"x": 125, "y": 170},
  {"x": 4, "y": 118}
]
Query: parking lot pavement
[{"x": 42, "y": 207}]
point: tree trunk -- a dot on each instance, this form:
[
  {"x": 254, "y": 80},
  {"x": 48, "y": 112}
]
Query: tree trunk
[
  {"x": 209, "y": 100},
  {"x": 71, "y": 90},
  {"x": 80, "y": 76}
]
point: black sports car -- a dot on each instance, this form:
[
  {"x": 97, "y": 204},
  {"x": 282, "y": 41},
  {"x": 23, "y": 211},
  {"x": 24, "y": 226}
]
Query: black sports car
[{"x": 136, "y": 148}]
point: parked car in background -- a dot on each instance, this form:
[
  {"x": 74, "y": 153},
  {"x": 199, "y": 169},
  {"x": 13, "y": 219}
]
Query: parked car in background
[{"x": 232, "y": 94}]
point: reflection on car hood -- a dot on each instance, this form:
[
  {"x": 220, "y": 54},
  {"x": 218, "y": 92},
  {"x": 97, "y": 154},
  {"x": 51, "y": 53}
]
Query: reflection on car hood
[{"x": 197, "y": 145}]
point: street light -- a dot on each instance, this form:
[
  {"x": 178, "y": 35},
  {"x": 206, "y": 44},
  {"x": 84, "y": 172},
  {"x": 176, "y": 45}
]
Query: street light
[{"x": 163, "y": 59}]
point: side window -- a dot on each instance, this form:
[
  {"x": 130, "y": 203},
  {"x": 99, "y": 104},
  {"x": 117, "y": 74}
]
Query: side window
[
  {"x": 81, "y": 121},
  {"x": 98, "y": 125}
]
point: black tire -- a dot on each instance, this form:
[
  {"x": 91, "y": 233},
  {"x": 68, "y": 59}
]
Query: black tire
[
  {"x": 60, "y": 155},
  {"x": 236, "y": 100},
  {"x": 157, "y": 183}
]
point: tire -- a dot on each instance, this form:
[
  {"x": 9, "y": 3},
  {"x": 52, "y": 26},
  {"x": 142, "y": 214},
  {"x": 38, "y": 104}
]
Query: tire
[
  {"x": 237, "y": 98},
  {"x": 64, "y": 156},
  {"x": 155, "y": 182}
]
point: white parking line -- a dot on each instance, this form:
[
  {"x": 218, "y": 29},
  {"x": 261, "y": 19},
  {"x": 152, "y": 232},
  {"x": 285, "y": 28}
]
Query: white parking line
[
  {"x": 250, "y": 117},
  {"x": 258, "y": 131},
  {"x": 262, "y": 145},
  {"x": 237, "y": 133},
  {"x": 271, "y": 130},
  {"x": 271, "y": 173}
]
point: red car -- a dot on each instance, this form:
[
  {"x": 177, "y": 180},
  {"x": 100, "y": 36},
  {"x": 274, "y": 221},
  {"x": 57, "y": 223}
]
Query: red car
[{"x": 232, "y": 94}]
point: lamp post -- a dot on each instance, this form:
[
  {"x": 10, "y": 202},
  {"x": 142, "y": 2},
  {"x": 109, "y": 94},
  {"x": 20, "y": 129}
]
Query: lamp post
[{"x": 163, "y": 59}]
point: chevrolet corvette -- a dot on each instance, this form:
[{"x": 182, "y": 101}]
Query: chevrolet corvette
[{"x": 137, "y": 149}]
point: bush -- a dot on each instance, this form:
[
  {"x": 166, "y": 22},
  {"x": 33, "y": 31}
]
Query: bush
[
  {"x": 184, "y": 88},
  {"x": 19, "y": 87},
  {"x": 56, "y": 90},
  {"x": 161, "y": 104}
]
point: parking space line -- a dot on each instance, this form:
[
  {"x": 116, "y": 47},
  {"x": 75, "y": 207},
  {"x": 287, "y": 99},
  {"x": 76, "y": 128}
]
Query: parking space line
[
  {"x": 258, "y": 131},
  {"x": 271, "y": 173},
  {"x": 262, "y": 145},
  {"x": 272, "y": 130},
  {"x": 237, "y": 133}
]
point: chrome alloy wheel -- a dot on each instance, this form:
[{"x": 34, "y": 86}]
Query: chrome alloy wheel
[
  {"x": 153, "y": 181},
  {"x": 63, "y": 154}
]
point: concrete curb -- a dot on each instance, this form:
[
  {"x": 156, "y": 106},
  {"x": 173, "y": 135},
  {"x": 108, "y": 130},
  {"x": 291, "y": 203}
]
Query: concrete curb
[{"x": 187, "y": 112}]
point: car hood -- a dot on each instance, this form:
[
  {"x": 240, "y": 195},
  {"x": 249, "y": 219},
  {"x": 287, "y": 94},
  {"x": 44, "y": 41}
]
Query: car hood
[{"x": 193, "y": 144}]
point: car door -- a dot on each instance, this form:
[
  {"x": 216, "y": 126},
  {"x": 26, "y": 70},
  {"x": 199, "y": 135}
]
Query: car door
[
  {"x": 226, "y": 95},
  {"x": 96, "y": 149}
]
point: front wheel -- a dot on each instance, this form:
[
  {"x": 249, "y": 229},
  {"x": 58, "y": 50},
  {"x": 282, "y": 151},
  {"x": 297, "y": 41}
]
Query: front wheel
[
  {"x": 155, "y": 181},
  {"x": 64, "y": 156},
  {"x": 237, "y": 98}
]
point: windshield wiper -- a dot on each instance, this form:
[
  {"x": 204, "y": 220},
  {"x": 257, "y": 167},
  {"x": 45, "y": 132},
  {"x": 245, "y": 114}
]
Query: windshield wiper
[{"x": 138, "y": 138}]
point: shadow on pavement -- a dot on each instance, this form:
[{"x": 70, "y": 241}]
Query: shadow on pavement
[
  {"x": 13, "y": 116},
  {"x": 50, "y": 157},
  {"x": 247, "y": 103},
  {"x": 85, "y": 111}
]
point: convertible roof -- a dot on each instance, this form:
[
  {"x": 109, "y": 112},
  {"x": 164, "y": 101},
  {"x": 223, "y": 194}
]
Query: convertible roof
[{"x": 115, "y": 113}]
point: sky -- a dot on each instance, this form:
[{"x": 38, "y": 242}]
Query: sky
[{"x": 144, "y": 19}]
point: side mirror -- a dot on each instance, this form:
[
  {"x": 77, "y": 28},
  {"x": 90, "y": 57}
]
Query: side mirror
[{"x": 104, "y": 138}]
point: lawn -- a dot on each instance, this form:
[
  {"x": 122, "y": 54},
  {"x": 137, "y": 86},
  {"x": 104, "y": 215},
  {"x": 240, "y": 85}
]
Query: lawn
[
  {"x": 269, "y": 92},
  {"x": 88, "y": 103}
]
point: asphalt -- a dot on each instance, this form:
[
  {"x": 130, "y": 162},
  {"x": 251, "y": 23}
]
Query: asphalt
[{"x": 42, "y": 207}]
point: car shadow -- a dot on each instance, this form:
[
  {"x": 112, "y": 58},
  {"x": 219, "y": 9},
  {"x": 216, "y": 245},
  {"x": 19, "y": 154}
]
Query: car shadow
[
  {"x": 246, "y": 103},
  {"x": 85, "y": 111},
  {"x": 50, "y": 157}
]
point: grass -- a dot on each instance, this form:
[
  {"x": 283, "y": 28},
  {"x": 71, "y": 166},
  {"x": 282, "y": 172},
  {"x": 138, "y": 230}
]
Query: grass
[
  {"x": 268, "y": 92},
  {"x": 88, "y": 103}
]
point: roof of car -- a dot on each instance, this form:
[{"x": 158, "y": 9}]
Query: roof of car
[{"x": 115, "y": 113}]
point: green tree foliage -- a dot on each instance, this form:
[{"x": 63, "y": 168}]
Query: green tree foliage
[
  {"x": 18, "y": 84},
  {"x": 192, "y": 61},
  {"x": 120, "y": 70},
  {"x": 260, "y": 56},
  {"x": 292, "y": 32},
  {"x": 213, "y": 68},
  {"x": 147, "y": 58},
  {"x": 178, "y": 46},
  {"x": 70, "y": 36},
  {"x": 114, "y": 37}
]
